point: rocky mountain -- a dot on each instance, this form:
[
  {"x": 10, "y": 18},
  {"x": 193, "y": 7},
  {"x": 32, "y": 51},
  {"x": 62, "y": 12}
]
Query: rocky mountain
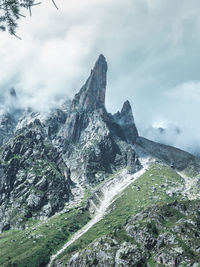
[{"x": 62, "y": 170}]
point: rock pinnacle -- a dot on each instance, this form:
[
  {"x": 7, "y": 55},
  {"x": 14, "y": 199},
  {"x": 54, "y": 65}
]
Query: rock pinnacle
[{"x": 92, "y": 94}]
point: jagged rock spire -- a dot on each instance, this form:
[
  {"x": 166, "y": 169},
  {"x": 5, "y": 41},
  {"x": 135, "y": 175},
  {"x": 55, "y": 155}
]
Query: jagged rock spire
[
  {"x": 126, "y": 120},
  {"x": 127, "y": 111},
  {"x": 92, "y": 94}
]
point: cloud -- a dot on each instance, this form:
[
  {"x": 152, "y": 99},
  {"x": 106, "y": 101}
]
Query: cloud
[
  {"x": 152, "y": 48},
  {"x": 179, "y": 118}
]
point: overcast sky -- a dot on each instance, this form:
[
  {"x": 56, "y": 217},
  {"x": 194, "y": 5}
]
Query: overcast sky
[{"x": 152, "y": 48}]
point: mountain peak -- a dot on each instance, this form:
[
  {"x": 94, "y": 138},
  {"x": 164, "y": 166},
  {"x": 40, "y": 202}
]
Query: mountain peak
[
  {"x": 126, "y": 107},
  {"x": 100, "y": 63},
  {"x": 101, "y": 57},
  {"x": 126, "y": 114},
  {"x": 92, "y": 94},
  {"x": 126, "y": 120}
]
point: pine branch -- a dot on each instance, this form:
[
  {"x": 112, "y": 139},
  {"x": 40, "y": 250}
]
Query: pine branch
[{"x": 11, "y": 12}]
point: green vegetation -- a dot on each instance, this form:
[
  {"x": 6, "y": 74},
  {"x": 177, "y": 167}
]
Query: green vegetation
[
  {"x": 87, "y": 194},
  {"x": 120, "y": 235},
  {"x": 152, "y": 228},
  {"x": 151, "y": 188},
  {"x": 33, "y": 246},
  {"x": 16, "y": 156},
  {"x": 177, "y": 220},
  {"x": 152, "y": 262}
]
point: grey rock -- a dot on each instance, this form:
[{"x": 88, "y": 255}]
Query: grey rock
[
  {"x": 32, "y": 176},
  {"x": 126, "y": 121},
  {"x": 146, "y": 238},
  {"x": 174, "y": 157},
  {"x": 108, "y": 252},
  {"x": 92, "y": 94}
]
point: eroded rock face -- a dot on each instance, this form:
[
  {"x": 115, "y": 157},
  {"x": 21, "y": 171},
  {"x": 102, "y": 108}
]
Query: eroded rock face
[
  {"x": 96, "y": 146},
  {"x": 34, "y": 181},
  {"x": 109, "y": 252}
]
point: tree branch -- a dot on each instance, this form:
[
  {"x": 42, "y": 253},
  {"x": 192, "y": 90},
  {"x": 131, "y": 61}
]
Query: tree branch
[{"x": 10, "y": 12}]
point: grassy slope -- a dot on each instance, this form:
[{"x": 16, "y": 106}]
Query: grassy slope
[
  {"x": 137, "y": 197},
  {"x": 176, "y": 223},
  {"x": 33, "y": 246}
]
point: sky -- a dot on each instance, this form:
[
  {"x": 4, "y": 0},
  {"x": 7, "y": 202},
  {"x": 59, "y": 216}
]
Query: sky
[{"x": 151, "y": 46}]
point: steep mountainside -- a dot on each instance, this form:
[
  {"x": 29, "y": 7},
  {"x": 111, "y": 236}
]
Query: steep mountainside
[{"x": 68, "y": 169}]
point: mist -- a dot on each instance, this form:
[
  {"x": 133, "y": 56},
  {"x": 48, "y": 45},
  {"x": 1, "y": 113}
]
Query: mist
[{"x": 152, "y": 49}]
